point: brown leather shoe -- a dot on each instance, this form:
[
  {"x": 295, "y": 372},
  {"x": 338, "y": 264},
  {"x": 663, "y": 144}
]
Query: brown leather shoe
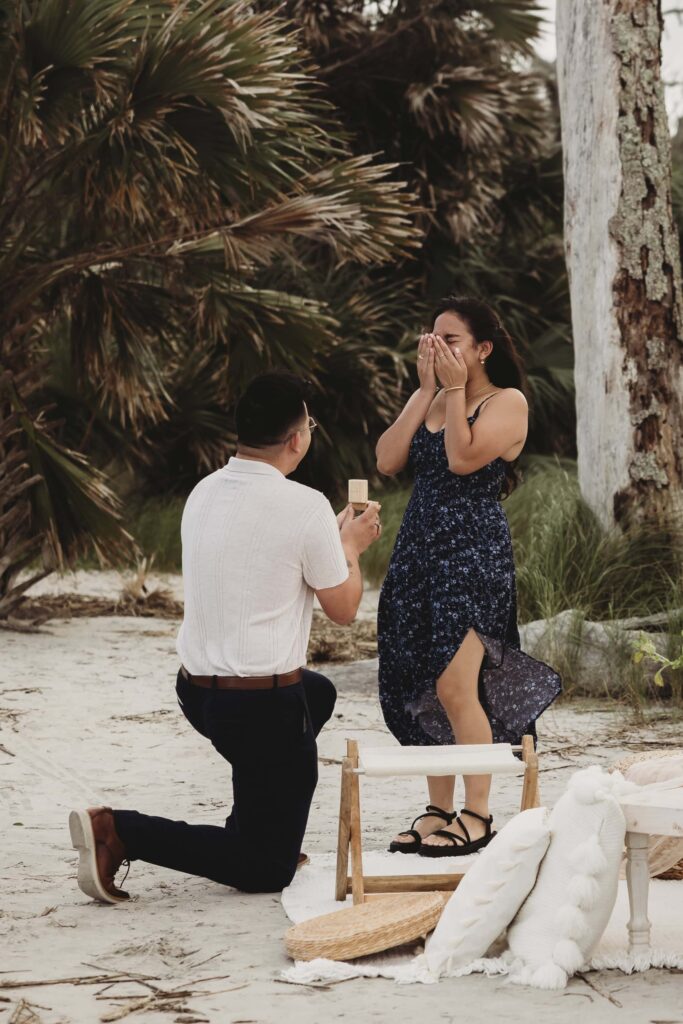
[{"x": 100, "y": 853}]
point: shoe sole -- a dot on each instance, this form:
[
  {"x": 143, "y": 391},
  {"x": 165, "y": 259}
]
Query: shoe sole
[
  {"x": 455, "y": 851},
  {"x": 88, "y": 877},
  {"x": 404, "y": 847}
]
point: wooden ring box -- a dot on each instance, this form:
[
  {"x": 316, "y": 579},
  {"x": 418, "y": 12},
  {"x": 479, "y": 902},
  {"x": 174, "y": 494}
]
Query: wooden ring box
[{"x": 358, "y": 495}]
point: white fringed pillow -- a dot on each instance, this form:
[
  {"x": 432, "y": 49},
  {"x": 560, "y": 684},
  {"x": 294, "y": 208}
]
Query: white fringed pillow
[
  {"x": 569, "y": 907},
  {"x": 490, "y": 894}
]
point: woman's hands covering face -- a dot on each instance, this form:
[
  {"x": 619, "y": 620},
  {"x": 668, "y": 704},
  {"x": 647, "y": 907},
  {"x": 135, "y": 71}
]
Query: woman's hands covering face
[
  {"x": 450, "y": 367},
  {"x": 425, "y": 364}
]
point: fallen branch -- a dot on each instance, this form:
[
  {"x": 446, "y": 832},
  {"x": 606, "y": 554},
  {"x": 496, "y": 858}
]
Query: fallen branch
[
  {"x": 14, "y": 625},
  {"x": 88, "y": 979},
  {"x": 162, "y": 1001},
  {"x": 159, "y": 1005},
  {"x": 656, "y": 743},
  {"x": 320, "y": 985},
  {"x": 194, "y": 967},
  {"x": 24, "y": 1014},
  {"x": 640, "y": 621},
  {"x": 601, "y": 992}
]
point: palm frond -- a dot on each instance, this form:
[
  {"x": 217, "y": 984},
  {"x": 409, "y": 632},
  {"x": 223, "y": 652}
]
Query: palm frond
[
  {"x": 72, "y": 508},
  {"x": 515, "y": 22}
]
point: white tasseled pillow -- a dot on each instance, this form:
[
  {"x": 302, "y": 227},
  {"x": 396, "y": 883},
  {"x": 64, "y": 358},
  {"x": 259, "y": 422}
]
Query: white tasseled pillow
[
  {"x": 490, "y": 894},
  {"x": 569, "y": 907}
]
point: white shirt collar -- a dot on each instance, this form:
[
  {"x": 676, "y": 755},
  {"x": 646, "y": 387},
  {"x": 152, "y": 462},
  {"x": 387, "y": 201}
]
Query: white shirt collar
[{"x": 252, "y": 466}]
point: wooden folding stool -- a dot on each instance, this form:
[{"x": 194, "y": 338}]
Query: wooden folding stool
[{"x": 471, "y": 759}]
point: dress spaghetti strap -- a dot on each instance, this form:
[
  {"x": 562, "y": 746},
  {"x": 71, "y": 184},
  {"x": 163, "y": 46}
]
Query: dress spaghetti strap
[{"x": 483, "y": 402}]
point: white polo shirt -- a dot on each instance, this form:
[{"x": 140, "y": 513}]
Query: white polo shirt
[{"x": 255, "y": 547}]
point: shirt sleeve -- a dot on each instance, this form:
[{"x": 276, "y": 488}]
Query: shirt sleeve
[{"x": 324, "y": 561}]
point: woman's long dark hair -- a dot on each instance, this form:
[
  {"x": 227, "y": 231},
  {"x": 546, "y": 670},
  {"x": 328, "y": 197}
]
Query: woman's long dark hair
[{"x": 503, "y": 365}]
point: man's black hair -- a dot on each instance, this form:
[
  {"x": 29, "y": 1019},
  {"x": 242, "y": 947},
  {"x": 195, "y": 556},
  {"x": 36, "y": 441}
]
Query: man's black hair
[{"x": 271, "y": 408}]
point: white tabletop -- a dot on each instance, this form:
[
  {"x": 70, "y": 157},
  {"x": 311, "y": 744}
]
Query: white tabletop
[{"x": 658, "y": 813}]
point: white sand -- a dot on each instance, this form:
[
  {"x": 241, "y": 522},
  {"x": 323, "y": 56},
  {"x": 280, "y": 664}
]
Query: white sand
[{"x": 88, "y": 714}]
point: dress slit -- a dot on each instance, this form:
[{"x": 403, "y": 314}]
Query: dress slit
[{"x": 430, "y": 712}]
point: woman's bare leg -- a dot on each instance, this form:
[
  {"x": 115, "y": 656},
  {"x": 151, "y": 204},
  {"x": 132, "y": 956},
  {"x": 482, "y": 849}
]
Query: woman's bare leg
[
  {"x": 441, "y": 789},
  {"x": 458, "y": 690}
]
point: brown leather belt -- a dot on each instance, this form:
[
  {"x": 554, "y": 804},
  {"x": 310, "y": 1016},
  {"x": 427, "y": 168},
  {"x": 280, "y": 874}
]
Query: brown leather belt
[{"x": 245, "y": 682}]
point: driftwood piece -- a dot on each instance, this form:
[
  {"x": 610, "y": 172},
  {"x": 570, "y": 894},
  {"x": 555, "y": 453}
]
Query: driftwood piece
[{"x": 599, "y": 652}]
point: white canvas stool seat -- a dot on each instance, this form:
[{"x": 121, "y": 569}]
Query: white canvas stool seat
[
  {"x": 474, "y": 759},
  {"x": 375, "y": 762}
]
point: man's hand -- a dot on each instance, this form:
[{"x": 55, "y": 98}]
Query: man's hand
[
  {"x": 346, "y": 513},
  {"x": 360, "y": 532},
  {"x": 340, "y": 603}
]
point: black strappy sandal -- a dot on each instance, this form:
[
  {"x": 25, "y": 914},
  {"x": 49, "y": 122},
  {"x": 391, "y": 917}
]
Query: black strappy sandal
[
  {"x": 457, "y": 845},
  {"x": 432, "y": 812}
]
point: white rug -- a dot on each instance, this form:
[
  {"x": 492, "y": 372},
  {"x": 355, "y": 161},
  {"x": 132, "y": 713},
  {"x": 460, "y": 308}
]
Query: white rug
[{"x": 312, "y": 894}]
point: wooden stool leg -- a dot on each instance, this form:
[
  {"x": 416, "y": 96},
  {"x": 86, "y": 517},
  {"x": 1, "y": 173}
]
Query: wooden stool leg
[
  {"x": 357, "y": 883},
  {"x": 531, "y": 796},
  {"x": 344, "y": 830}
]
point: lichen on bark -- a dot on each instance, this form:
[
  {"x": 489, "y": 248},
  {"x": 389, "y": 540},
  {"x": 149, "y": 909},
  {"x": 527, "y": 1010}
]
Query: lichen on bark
[
  {"x": 643, "y": 226},
  {"x": 646, "y": 290}
]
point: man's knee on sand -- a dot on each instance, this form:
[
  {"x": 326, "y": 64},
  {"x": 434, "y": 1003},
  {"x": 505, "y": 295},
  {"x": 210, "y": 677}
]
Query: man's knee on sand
[{"x": 267, "y": 877}]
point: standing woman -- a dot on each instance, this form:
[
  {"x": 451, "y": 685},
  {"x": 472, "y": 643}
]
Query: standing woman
[{"x": 450, "y": 664}]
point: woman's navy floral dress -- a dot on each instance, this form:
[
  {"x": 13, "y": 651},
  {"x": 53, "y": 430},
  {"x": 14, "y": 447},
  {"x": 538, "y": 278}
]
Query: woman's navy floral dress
[{"x": 452, "y": 569}]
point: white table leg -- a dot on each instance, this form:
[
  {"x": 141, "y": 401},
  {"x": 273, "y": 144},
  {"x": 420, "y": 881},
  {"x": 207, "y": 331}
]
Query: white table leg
[{"x": 637, "y": 880}]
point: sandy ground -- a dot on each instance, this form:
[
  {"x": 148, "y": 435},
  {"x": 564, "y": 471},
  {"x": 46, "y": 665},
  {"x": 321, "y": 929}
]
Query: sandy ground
[{"x": 88, "y": 714}]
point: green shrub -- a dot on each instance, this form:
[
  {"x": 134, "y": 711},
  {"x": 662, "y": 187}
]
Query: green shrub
[
  {"x": 564, "y": 558},
  {"x": 155, "y": 525},
  {"x": 376, "y": 559}
]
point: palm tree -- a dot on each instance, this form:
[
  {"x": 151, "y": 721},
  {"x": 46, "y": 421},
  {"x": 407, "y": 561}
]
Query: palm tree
[{"x": 157, "y": 160}]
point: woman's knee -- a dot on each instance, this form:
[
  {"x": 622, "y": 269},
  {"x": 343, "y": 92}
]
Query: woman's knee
[
  {"x": 455, "y": 699},
  {"x": 458, "y": 686}
]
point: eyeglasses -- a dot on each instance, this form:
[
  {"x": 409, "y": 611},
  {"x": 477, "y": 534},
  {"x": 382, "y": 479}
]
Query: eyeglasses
[{"x": 311, "y": 427}]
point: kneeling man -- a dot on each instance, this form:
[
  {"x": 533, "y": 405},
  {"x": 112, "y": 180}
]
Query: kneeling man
[{"x": 256, "y": 546}]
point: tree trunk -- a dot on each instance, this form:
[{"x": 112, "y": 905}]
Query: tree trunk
[{"x": 623, "y": 259}]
